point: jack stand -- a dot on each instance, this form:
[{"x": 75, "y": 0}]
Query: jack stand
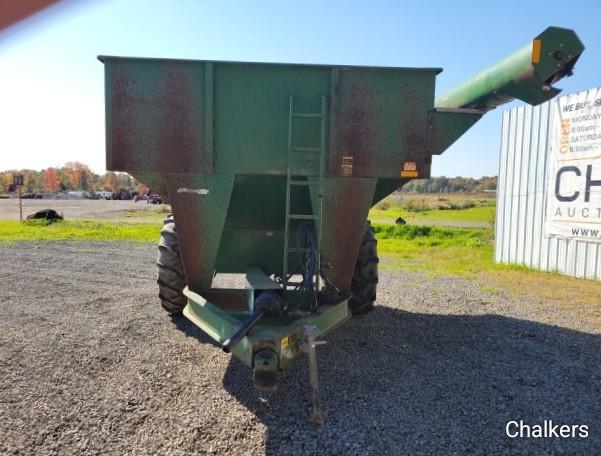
[{"x": 318, "y": 414}]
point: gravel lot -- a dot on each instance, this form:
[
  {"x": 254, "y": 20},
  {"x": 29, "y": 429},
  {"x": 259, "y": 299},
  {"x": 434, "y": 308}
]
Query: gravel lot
[
  {"x": 81, "y": 209},
  {"x": 91, "y": 365}
]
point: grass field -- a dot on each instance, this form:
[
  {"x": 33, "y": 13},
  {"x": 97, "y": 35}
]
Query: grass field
[
  {"x": 483, "y": 215},
  {"x": 452, "y": 210},
  {"x": 82, "y": 230}
]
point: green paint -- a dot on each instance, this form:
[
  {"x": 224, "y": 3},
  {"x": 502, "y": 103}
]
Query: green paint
[
  {"x": 220, "y": 139},
  {"x": 284, "y": 335},
  {"x": 517, "y": 76}
]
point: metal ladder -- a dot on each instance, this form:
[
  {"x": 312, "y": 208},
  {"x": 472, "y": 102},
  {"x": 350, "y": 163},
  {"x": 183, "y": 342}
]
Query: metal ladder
[{"x": 312, "y": 181}]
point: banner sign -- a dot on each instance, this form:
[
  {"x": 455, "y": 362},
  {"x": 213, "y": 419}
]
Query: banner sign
[{"x": 574, "y": 193}]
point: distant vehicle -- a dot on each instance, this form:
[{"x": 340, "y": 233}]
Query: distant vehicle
[
  {"x": 150, "y": 197},
  {"x": 153, "y": 198},
  {"x": 79, "y": 194},
  {"x": 32, "y": 195},
  {"x": 122, "y": 194},
  {"x": 104, "y": 195}
]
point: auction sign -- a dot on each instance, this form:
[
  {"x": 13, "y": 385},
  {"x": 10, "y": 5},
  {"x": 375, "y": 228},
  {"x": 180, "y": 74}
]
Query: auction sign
[{"x": 574, "y": 194}]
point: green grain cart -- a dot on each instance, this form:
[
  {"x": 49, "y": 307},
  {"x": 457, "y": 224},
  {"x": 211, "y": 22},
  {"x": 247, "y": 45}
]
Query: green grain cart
[{"x": 271, "y": 170}]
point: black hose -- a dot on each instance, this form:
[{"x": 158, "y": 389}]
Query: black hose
[
  {"x": 305, "y": 238},
  {"x": 267, "y": 302},
  {"x": 243, "y": 330}
]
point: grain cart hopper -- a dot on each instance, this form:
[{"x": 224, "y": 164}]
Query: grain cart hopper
[{"x": 271, "y": 170}]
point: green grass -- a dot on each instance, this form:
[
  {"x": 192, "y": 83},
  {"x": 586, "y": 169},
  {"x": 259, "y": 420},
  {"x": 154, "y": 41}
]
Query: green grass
[
  {"x": 441, "y": 250},
  {"x": 452, "y": 209},
  {"x": 484, "y": 214},
  {"x": 83, "y": 230}
]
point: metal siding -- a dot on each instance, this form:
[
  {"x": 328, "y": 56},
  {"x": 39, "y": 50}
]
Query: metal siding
[
  {"x": 530, "y": 190},
  {"x": 522, "y": 199},
  {"x": 542, "y": 151},
  {"x": 540, "y": 172},
  {"x": 508, "y": 182},
  {"x": 523, "y": 186},
  {"x": 500, "y": 214},
  {"x": 597, "y": 269},
  {"x": 515, "y": 187}
]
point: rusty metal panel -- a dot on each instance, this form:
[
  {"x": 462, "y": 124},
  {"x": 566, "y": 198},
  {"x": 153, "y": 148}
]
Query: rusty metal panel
[
  {"x": 156, "y": 116},
  {"x": 200, "y": 204},
  {"x": 346, "y": 203},
  {"x": 379, "y": 120}
]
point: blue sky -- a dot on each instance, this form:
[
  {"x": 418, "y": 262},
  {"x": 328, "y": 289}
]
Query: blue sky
[{"x": 51, "y": 84}]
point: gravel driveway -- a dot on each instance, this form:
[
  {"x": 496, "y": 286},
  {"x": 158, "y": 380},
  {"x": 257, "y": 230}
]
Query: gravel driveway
[
  {"x": 91, "y": 365},
  {"x": 83, "y": 209}
]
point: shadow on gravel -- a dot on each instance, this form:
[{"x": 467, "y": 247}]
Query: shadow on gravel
[
  {"x": 397, "y": 382},
  {"x": 191, "y": 330}
]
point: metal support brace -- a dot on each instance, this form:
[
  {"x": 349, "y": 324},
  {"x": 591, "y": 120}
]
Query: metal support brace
[{"x": 318, "y": 414}]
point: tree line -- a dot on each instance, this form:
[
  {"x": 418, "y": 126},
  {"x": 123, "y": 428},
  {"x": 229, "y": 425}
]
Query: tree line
[
  {"x": 451, "y": 185},
  {"x": 73, "y": 176},
  {"x": 76, "y": 176}
]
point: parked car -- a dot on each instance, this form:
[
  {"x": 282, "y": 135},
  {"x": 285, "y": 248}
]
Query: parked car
[
  {"x": 32, "y": 195},
  {"x": 122, "y": 194},
  {"x": 81, "y": 194},
  {"x": 150, "y": 197},
  {"x": 104, "y": 195},
  {"x": 153, "y": 198}
]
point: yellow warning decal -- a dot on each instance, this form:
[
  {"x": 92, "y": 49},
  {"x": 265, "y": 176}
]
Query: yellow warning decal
[
  {"x": 409, "y": 169},
  {"x": 285, "y": 342},
  {"x": 409, "y": 173},
  {"x": 536, "y": 47}
]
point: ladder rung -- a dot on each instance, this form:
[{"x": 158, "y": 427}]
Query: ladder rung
[
  {"x": 306, "y": 149},
  {"x": 299, "y": 182},
  {"x": 303, "y": 217},
  {"x": 307, "y": 114}
]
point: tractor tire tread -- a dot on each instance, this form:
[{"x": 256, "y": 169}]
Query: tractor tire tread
[
  {"x": 365, "y": 276},
  {"x": 171, "y": 278}
]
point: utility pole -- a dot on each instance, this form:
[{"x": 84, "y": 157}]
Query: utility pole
[{"x": 18, "y": 181}]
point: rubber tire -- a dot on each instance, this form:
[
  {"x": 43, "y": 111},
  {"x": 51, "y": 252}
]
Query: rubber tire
[
  {"x": 365, "y": 276},
  {"x": 172, "y": 279}
]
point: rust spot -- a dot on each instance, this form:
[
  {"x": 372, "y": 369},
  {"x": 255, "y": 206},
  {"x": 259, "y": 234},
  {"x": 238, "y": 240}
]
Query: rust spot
[
  {"x": 413, "y": 128},
  {"x": 123, "y": 118},
  {"x": 157, "y": 118},
  {"x": 355, "y": 136},
  {"x": 181, "y": 121},
  {"x": 346, "y": 203}
]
